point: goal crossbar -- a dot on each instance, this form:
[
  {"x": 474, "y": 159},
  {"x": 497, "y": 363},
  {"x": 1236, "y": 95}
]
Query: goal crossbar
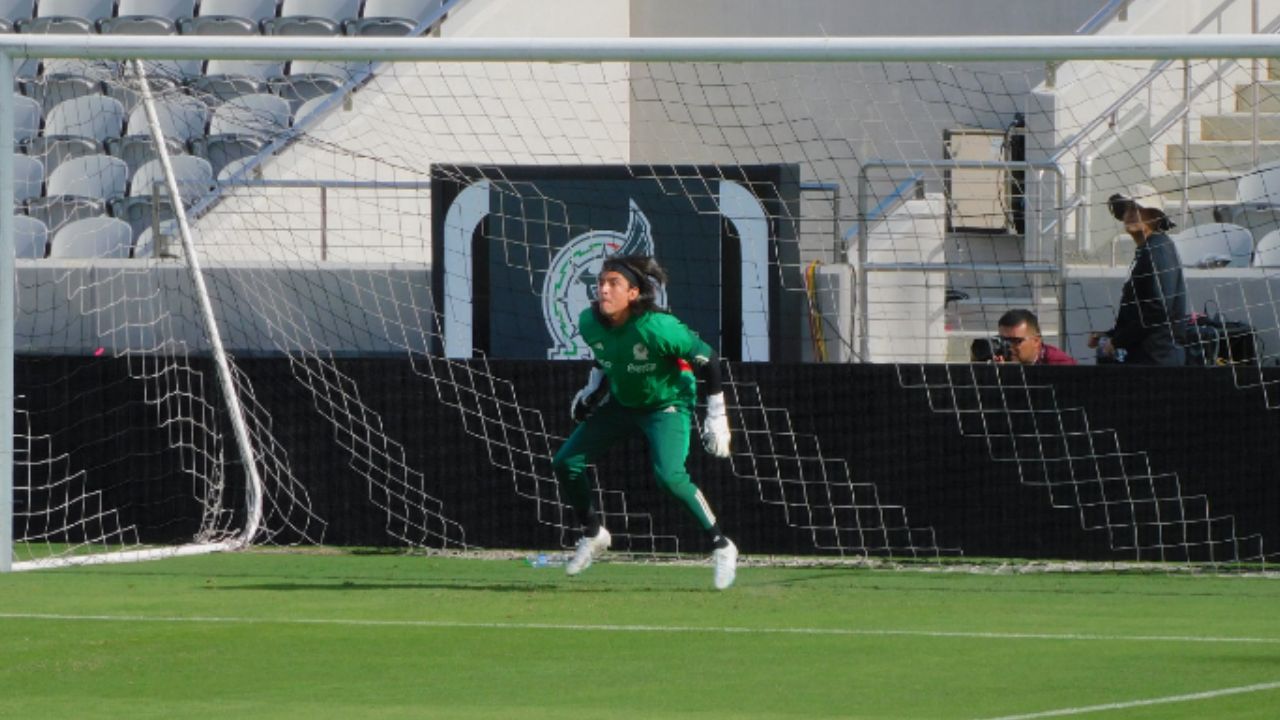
[{"x": 699, "y": 49}]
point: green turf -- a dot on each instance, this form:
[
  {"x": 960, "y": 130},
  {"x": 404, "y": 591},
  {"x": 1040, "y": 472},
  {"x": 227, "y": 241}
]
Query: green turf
[{"x": 336, "y": 635}]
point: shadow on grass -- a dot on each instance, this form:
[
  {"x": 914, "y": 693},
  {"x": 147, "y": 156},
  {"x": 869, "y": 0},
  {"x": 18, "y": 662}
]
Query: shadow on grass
[{"x": 566, "y": 586}]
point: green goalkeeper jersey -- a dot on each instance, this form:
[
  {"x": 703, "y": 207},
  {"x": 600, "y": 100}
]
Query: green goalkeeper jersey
[{"x": 648, "y": 359}]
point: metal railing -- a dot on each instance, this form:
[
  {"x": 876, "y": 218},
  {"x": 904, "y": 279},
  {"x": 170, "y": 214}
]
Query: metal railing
[
  {"x": 1079, "y": 205},
  {"x": 1037, "y": 229}
]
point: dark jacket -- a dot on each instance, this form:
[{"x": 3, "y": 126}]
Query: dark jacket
[{"x": 1151, "y": 323}]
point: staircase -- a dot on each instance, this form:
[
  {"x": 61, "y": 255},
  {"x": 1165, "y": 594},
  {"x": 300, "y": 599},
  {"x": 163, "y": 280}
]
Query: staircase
[{"x": 1222, "y": 148}]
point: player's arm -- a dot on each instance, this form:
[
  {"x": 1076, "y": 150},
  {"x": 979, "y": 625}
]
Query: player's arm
[
  {"x": 715, "y": 426},
  {"x": 592, "y": 395}
]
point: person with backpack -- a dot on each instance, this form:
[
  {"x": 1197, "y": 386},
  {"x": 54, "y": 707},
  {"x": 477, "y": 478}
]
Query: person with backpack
[{"x": 1150, "y": 325}]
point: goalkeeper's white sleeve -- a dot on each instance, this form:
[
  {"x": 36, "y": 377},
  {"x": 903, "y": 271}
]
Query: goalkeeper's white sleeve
[
  {"x": 715, "y": 427},
  {"x": 594, "y": 394}
]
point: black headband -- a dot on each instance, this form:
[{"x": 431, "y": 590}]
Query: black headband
[{"x": 625, "y": 270}]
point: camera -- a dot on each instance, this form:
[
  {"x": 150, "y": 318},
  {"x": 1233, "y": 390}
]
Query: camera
[{"x": 989, "y": 348}]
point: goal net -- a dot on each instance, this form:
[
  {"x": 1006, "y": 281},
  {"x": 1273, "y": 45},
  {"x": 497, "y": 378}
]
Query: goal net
[{"x": 392, "y": 274}]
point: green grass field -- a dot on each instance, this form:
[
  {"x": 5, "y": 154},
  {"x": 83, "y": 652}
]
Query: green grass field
[{"x": 343, "y": 635}]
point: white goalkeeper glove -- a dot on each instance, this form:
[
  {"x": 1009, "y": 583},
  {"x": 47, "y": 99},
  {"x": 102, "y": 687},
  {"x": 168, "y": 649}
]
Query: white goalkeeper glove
[
  {"x": 591, "y": 396},
  {"x": 715, "y": 427}
]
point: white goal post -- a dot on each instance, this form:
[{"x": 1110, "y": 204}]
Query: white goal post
[{"x": 415, "y": 514}]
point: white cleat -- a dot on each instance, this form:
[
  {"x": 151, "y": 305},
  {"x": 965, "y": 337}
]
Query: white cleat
[
  {"x": 726, "y": 562},
  {"x": 589, "y": 548}
]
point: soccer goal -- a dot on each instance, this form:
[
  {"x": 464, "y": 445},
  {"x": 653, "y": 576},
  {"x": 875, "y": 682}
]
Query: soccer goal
[{"x": 249, "y": 316}]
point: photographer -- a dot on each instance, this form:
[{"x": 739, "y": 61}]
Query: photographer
[
  {"x": 1019, "y": 341},
  {"x": 1151, "y": 321}
]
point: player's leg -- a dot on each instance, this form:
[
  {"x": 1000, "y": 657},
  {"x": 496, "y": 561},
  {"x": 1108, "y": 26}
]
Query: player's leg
[
  {"x": 668, "y": 435},
  {"x": 593, "y": 436}
]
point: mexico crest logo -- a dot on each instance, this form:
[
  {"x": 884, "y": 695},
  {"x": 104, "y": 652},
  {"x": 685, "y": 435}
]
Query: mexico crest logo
[{"x": 570, "y": 284}]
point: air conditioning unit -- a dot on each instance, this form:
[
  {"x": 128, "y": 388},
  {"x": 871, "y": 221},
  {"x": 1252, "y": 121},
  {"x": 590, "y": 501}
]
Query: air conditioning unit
[{"x": 979, "y": 199}]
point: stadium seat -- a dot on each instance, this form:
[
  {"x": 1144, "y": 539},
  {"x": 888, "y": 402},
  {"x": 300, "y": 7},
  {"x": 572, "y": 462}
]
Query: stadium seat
[
  {"x": 96, "y": 237},
  {"x": 28, "y": 178},
  {"x": 62, "y": 80},
  {"x": 67, "y": 16},
  {"x": 311, "y": 17},
  {"x": 92, "y": 176},
  {"x": 53, "y": 150},
  {"x": 147, "y": 17},
  {"x": 79, "y": 188},
  {"x": 390, "y": 18},
  {"x": 144, "y": 245},
  {"x": 222, "y": 150},
  {"x": 235, "y": 167},
  {"x": 309, "y": 108},
  {"x": 1214, "y": 245},
  {"x": 15, "y": 10},
  {"x": 141, "y": 212},
  {"x": 55, "y": 211},
  {"x": 1257, "y": 190},
  {"x": 228, "y": 17},
  {"x": 164, "y": 77},
  {"x": 93, "y": 116},
  {"x": 1267, "y": 254},
  {"x": 55, "y": 25},
  {"x": 28, "y": 117},
  {"x": 194, "y": 176},
  {"x": 137, "y": 150},
  {"x": 309, "y": 79},
  {"x": 225, "y": 79},
  {"x": 181, "y": 118},
  {"x": 262, "y": 115},
  {"x": 30, "y": 237},
  {"x": 148, "y": 200}
]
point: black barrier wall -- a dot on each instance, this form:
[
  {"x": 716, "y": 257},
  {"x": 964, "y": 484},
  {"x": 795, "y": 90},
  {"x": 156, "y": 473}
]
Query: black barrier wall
[{"x": 1221, "y": 442}]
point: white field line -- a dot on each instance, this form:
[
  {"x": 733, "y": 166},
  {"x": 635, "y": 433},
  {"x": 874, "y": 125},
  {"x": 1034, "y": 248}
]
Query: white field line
[
  {"x": 1190, "y": 697},
  {"x": 570, "y": 627}
]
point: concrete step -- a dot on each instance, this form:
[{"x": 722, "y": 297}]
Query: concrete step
[
  {"x": 1211, "y": 187},
  {"x": 1268, "y": 96},
  {"x": 1239, "y": 126},
  {"x": 1219, "y": 156}
]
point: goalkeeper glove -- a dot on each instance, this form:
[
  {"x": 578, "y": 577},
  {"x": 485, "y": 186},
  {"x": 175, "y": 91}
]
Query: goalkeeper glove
[
  {"x": 590, "y": 397},
  {"x": 715, "y": 427}
]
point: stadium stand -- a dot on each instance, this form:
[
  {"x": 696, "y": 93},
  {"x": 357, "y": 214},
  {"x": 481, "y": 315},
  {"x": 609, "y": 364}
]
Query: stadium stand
[
  {"x": 95, "y": 237},
  {"x": 87, "y": 149}
]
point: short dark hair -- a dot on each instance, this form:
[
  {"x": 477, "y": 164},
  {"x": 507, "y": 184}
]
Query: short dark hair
[{"x": 1014, "y": 318}]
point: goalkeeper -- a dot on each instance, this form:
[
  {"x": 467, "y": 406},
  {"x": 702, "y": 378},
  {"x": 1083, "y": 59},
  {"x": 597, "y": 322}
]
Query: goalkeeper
[{"x": 642, "y": 382}]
